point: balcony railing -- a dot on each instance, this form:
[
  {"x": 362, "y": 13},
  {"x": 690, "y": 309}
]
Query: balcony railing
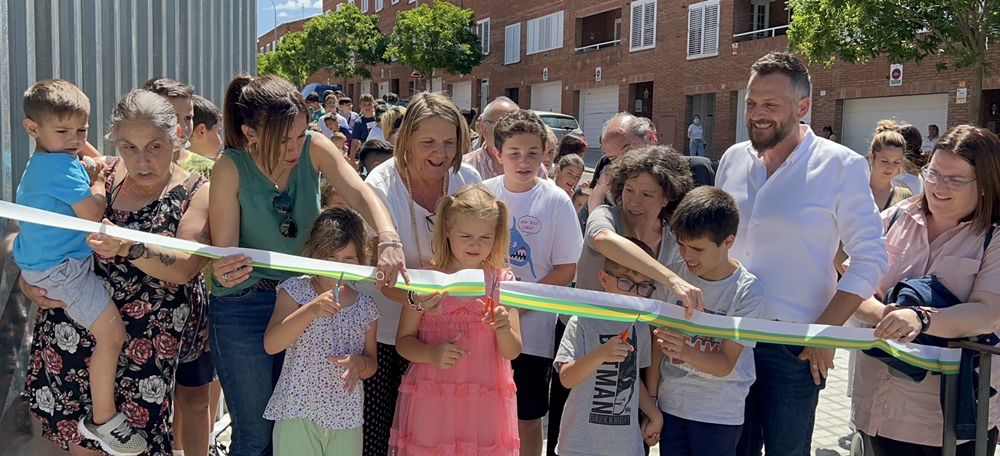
[
  {"x": 760, "y": 34},
  {"x": 594, "y": 47}
]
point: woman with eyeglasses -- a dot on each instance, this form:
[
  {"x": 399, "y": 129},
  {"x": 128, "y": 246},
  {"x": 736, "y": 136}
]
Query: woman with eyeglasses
[
  {"x": 946, "y": 232},
  {"x": 426, "y": 166},
  {"x": 265, "y": 195}
]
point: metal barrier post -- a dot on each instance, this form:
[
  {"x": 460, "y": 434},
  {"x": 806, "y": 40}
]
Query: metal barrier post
[{"x": 948, "y": 442}]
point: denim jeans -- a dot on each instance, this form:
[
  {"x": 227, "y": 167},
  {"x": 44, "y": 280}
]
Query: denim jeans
[
  {"x": 781, "y": 405},
  {"x": 697, "y": 147},
  {"x": 248, "y": 374},
  {"x": 682, "y": 437}
]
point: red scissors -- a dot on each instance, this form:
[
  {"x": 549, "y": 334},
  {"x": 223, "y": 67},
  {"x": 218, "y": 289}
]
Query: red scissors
[
  {"x": 624, "y": 335},
  {"x": 491, "y": 304}
]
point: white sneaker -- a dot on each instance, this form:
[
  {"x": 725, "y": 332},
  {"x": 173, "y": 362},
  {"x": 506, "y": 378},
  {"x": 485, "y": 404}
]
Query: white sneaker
[{"x": 116, "y": 436}]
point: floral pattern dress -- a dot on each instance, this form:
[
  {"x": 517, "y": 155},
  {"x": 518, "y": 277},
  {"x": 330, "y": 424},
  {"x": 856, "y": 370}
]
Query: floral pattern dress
[{"x": 155, "y": 314}]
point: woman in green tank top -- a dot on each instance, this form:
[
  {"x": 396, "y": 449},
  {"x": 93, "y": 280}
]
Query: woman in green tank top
[{"x": 265, "y": 195}]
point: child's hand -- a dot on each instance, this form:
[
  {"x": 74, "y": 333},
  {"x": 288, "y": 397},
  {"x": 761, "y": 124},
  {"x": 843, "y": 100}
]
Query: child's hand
[
  {"x": 498, "y": 318},
  {"x": 445, "y": 355},
  {"x": 672, "y": 343},
  {"x": 651, "y": 427},
  {"x": 354, "y": 365},
  {"x": 614, "y": 350},
  {"x": 95, "y": 170},
  {"x": 324, "y": 305}
]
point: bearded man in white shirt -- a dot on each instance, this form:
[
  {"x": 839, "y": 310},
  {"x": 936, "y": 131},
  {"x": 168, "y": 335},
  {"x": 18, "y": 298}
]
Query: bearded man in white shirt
[{"x": 799, "y": 197}]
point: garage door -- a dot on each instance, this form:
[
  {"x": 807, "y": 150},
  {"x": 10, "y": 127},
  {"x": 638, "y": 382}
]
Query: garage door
[
  {"x": 461, "y": 94},
  {"x": 596, "y": 107},
  {"x": 862, "y": 115},
  {"x": 547, "y": 97}
]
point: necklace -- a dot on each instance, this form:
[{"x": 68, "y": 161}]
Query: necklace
[
  {"x": 268, "y": 176},
  {"x": 147, "y": 200},
  {"x": 413, "y": 214}
]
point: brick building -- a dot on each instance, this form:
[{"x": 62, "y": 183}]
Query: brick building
[
  {"x": 268, "y": 41},
  {"x": 666, "y": 60}
]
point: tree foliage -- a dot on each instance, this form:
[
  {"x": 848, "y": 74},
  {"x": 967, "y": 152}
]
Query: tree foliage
[
  {"x": 287, "y": 60},
  {"x": 436, "y": 38},
  {"x": 902, "y": 30},
  {"x": 346, "y": 41}
]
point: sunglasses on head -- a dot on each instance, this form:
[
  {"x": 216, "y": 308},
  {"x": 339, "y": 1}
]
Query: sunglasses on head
[{"x": 283, "y": 206}]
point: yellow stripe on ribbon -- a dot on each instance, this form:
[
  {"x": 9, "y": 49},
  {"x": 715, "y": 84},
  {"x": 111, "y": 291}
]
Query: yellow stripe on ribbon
[{"x": 532, "y": 296}]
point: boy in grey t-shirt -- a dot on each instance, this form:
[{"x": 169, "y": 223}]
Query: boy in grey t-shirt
[
  {"x": 599, "y": 361},
  {"x": 703, "y": 381}
]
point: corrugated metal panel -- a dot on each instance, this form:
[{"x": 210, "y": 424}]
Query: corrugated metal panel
[{"x": 108, "y": 47}]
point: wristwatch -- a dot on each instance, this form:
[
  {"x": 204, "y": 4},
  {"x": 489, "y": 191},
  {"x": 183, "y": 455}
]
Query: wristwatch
[
  {"x": 924, "y": 316},
  {"x": 136, "y": 251}
]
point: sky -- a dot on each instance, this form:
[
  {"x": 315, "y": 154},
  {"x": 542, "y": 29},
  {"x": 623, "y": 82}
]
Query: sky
[{"x": 287, "y": 11}]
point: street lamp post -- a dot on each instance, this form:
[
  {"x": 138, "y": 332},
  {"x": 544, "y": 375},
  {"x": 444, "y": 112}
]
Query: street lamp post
[{"x": 275, "y": 9}]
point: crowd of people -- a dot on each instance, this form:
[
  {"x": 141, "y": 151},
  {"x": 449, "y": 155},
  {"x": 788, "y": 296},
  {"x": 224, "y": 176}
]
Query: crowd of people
[{"x": 134, "y": 343}]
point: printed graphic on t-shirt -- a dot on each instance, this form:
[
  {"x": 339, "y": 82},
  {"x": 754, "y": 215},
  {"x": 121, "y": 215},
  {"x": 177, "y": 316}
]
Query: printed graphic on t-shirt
[
  {"x": 520, "y": 250},
  {"x": 703, "y": 343},
  {"x": 614, "y": 388}
]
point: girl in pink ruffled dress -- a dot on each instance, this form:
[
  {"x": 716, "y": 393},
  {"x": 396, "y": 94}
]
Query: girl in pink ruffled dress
[{"x": 457, "y": 398}]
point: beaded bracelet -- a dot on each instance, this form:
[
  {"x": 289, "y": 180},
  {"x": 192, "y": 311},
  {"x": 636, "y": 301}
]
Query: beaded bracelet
[{"x": 390, "y": 243}]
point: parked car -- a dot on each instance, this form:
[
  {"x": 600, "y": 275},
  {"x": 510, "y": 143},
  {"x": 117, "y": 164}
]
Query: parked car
[{"x": 561, "y": 124}]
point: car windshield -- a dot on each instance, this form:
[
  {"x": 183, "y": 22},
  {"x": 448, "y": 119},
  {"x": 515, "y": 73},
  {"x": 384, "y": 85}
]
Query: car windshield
[{"x": 559, "y": 122}]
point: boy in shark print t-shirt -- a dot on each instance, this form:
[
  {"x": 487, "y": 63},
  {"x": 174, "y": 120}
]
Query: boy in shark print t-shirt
[{"x": 545, "y": 245}]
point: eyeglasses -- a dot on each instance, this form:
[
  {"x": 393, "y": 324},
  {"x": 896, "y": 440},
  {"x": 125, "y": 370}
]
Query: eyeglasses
[
  {"x": 950, "y": 183},
  {"x": 283, "y": 206},
  {"x": 644, "y": 289},
  {"x": 429, "y": 221}
]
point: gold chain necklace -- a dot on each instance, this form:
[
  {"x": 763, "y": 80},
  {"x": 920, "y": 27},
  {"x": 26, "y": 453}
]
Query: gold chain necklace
[{"x": 413, "y": 214}]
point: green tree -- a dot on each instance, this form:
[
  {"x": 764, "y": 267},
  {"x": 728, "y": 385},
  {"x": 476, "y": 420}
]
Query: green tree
[
  {"x": 341, "y": 40},
  {"x": 287, "y": 60},
  {"x": 903, "y": 31},
  {"x": 436, "y": 38}
]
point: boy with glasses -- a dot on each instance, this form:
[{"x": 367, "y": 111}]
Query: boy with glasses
[
  {"x": 702, "y": 382},
  {"x": 599, "y": 360}
]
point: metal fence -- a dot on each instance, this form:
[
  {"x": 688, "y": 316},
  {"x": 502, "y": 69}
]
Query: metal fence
[{"x": 107, "y": 48}]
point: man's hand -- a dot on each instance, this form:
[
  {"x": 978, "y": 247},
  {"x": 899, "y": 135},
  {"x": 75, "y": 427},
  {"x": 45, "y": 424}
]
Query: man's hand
[{"x": 820, "y": 362}]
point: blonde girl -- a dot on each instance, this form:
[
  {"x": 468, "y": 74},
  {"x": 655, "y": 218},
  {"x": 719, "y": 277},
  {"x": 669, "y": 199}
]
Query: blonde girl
[
  {"x": 458, "y": 394},
  {"x": 327, "y": 331},
  {"x": 885, "y": 156}
]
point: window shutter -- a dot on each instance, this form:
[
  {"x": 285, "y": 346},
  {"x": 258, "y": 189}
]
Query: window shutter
[
  {"x": 483, "y": 30},
  {"x": 649, "y": 25},
  {"x": 695, "y": 15},
  {"x": 512, "y": 43},
  {"x": 635, "y": 34},
  {"x": 379, "y": 4},
  {"x": 545, "y": 33},
  {"x": 711, "y": 30}
]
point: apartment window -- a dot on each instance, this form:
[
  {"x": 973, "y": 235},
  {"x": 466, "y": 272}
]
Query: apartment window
[
  {"x": 364, "y": 6},
  {"x": 703, "y": 29},
  {"x": 379, "y": 4},
  {"x": 395, "y": 2},
  {"x": 483, "y": 30},
  {"x": 512, "y": 44},
  {"x": 643, "y": 25},
  {"x": 545, "y": 33}
]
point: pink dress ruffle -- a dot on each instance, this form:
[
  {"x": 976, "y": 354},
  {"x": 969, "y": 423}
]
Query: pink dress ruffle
[{"x": 467, "y": 410}]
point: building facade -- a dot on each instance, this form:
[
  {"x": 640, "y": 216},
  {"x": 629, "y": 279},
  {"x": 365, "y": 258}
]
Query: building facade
[
  {"x": 268, "y": 41},
  {"x": 667, "y": 60}
]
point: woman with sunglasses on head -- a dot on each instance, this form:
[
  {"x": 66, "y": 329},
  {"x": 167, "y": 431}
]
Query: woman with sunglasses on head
[
  {"x": 265, "y": 195},
  {"x": 945, "y": 232}
]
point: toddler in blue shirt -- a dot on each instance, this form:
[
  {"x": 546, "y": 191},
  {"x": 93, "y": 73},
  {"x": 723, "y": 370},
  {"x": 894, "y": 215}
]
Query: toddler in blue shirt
[{"x": 59, "y": 260}]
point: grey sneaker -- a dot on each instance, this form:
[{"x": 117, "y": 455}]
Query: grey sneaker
[{"x": 116, "y": 436}]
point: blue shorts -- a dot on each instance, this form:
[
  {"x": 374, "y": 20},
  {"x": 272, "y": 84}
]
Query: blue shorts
[{"x": 73, "y": 282}]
